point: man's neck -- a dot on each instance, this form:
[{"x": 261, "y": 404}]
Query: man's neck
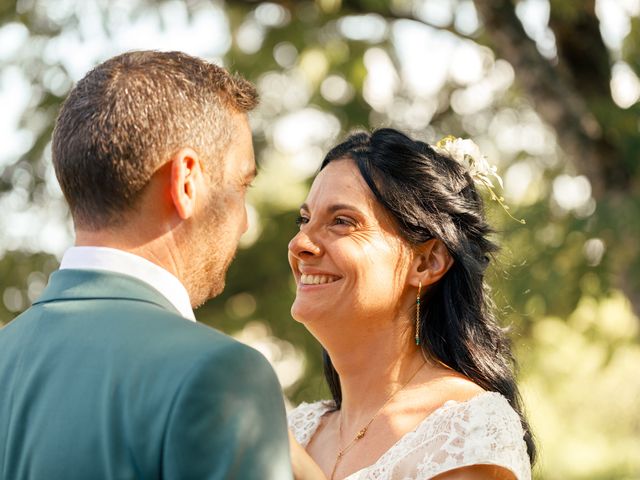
[{"x": 158, "y": 250}]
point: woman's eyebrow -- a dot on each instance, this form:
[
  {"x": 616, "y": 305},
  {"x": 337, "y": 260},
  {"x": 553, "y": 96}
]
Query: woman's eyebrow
[{"x": 335, "y": 207}]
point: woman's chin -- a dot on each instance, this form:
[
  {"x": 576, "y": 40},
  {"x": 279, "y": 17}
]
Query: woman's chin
[{"x": 306, "y": 314}]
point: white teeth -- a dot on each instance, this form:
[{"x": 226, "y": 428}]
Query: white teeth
[{"x": 316, "y": 279}]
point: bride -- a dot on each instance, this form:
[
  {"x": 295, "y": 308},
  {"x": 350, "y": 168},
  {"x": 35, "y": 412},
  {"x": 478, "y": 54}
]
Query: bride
[{"x": 389, "y": 264}]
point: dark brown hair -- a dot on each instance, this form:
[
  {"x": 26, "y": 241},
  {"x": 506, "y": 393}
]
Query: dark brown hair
[
  {"x": 429, "y": 195},
  {"x": 128, "y": 115}
]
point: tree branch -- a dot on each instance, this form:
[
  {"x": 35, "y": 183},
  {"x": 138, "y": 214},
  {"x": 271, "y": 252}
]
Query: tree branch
[{"x": 559, "y": 92}]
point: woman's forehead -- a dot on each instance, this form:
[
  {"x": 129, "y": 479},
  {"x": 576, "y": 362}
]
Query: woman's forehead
[
  {"x": 341, "y": 184},
  {"x": 340, "y": 180}
]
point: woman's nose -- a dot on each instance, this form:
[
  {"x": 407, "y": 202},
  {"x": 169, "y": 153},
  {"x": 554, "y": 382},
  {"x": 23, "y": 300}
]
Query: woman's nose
[{"x": 302, "y": 246}]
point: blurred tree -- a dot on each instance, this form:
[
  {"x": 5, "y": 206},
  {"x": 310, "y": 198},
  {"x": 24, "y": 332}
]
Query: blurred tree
[
  {"x": 543, "y": 100},
  {"x": 570, "y": 91}
]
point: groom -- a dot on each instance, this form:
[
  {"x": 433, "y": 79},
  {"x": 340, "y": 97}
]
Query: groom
[{"x": 107, "y": 375}]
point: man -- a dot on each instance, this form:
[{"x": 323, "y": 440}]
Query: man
[{"x": 107, "y": 375}]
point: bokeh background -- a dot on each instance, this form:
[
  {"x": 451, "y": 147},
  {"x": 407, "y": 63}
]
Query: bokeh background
[{"x": 548, "y": 88}]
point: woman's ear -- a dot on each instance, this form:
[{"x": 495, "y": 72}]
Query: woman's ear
[
  {"x": 185, "y": 171},
  {"x": 432, "y": 260}
]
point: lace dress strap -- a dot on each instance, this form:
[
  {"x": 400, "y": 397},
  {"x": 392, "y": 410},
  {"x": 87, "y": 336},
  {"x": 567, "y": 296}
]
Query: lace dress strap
[
  {"x": 484, "y": 430},
  {"x": 305, "y": 419}
]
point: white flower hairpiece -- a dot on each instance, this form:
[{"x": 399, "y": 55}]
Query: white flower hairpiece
[{"x": 467, "y": 154}]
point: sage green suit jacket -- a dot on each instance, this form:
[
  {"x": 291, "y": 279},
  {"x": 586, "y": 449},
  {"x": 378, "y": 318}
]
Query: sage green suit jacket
[{"x": 102, "y": 379}]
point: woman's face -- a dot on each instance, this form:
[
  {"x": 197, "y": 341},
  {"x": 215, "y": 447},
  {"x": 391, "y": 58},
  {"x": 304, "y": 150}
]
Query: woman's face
[{"x": 348, "y": 261}]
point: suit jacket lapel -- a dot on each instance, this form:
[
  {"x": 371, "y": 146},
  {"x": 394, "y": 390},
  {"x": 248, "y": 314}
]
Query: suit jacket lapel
[{"x": 69, "y": 284}]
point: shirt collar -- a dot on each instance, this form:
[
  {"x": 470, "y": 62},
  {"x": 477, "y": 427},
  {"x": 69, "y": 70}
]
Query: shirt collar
[{"x": 119, "y": 261}]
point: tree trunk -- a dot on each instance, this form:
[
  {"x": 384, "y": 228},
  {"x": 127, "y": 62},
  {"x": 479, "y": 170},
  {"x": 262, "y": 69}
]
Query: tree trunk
[
  {"x": 558, "y": 91},
  {"x": 563, "y": 93}
]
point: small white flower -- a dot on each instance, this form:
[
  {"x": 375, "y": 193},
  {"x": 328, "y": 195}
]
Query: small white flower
[{"x": 467, "y": 153}]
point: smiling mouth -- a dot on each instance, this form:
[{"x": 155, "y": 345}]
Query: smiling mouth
[{"x": 317, "y": 279}]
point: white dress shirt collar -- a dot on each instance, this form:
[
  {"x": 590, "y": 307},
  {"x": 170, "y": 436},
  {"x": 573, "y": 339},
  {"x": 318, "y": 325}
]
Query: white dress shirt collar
[{"x": 125, "y": 263}]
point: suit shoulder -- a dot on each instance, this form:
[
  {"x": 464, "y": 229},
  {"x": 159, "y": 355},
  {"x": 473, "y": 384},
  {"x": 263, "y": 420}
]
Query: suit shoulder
[
  {"x": 199, "y": 338},
  {"x": 164, "y": 329},
  {"x": 233, "y": 356},
  {"x": 199, "y": 344}
]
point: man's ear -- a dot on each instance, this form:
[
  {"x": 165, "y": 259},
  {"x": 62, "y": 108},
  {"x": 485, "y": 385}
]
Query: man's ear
[
  {"x": 185, "y": 173},
  {"x": 431, "y": 261}
]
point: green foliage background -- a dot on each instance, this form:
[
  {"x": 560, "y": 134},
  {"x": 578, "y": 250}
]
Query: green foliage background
[{"x": 567, "y": 283}]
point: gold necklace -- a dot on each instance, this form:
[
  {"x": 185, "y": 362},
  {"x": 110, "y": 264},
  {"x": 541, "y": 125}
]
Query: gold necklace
[{"x": 363, "y": 431}]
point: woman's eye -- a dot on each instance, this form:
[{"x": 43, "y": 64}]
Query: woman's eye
[
  {"x": 300, "y": 220},
  {"x": 344, "y": 221}
]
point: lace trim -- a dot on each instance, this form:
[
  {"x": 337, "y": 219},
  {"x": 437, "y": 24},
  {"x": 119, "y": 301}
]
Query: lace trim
[{"x": 482, "y": 430}]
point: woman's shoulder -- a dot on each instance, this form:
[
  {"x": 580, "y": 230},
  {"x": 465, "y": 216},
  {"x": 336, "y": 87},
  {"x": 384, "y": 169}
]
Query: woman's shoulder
[
  {"x": 479, "y": 417},
  {"x": 460, "y": 398},
  {"x": 305, "y": 418},
  {"x": 482, "y": 429},
  {"x": 484, "y": 409}
]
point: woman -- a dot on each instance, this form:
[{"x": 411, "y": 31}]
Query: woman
[{"x": 389, "y": 265}]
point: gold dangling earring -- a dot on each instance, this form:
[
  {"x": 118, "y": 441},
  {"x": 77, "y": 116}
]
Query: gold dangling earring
[{"x": 418, "y": 313}]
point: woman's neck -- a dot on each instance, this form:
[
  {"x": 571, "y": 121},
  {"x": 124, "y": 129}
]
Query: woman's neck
[{"x": 372, "y": 368}]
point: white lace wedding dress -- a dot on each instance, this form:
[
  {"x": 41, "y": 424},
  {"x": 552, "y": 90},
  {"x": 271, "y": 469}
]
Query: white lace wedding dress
[{"x": 482, "y": 430}]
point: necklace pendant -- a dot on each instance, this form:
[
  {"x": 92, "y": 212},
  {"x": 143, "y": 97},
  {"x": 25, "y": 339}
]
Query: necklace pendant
[{"x": 361, "y": 433}]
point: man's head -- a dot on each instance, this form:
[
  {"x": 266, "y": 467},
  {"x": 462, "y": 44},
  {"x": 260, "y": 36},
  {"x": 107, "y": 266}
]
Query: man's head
[{"x": 160, "y": 140}]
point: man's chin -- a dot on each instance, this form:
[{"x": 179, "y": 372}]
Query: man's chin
[
  {"x": 206, "y": 293},
  {"x": 208, "y": 287},
  {"x": 219, "y": 288}
]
